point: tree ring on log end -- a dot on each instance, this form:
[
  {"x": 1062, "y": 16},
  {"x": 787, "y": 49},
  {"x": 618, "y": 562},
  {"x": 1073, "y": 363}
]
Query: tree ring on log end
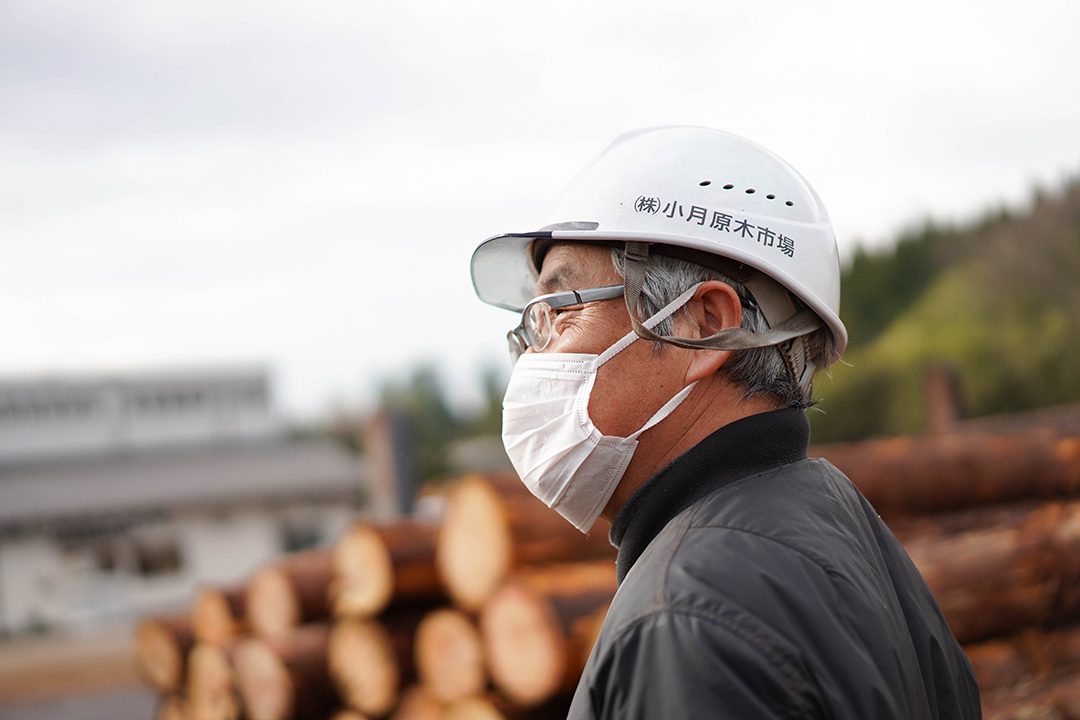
[
  {"x": 160, "y": 658},
  {"x": 474, "y": 551},
  {"x": 449, "y": 655},
  {"x": 417, "y": 703},
  {"x": 212, "y": 617},
  {"x": 524, "y": 644},
  {"x": 364, "y": 573},
  {"x": 264, "y": 682},
  {"x": 364, "y": 666},
  {"x": 472, "y": 708},
  {"x": 211, "y": 685}
]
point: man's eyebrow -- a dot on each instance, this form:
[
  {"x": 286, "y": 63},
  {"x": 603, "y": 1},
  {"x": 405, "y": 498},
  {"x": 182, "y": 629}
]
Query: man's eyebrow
[{"x": 557, "y": 279}]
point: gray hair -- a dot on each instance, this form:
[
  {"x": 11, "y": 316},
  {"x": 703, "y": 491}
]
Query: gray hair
[{"x": 758, "y": 371}]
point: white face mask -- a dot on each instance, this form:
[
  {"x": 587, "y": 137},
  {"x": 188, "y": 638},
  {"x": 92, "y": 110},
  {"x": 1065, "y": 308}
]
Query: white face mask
[{"x": 556, "y": 450}]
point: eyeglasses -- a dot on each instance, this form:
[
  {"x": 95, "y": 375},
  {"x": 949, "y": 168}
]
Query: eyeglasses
[{"x": 537, "y": 319}]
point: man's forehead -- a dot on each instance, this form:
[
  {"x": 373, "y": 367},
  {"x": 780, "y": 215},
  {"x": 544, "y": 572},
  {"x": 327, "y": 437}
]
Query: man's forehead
[{"x": 570, "y": 266}]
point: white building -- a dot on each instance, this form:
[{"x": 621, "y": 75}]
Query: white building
[{"x": 119, "y": 496}]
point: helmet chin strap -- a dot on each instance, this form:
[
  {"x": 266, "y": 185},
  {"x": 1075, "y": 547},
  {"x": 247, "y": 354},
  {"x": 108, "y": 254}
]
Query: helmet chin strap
[{"x": 774, "y": 304}]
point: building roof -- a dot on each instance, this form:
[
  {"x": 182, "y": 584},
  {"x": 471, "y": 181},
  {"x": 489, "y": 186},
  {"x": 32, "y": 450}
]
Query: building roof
[
  {"x": 177, "y": 479},
  {"x": 48, "y": 418}
]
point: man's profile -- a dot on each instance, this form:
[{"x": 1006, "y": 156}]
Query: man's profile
[{"x": 673, "y": 315}]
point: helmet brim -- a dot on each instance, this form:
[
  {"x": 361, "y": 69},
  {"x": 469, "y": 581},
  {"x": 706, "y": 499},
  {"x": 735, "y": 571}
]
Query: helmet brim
[{"x": 502, "y": 274}]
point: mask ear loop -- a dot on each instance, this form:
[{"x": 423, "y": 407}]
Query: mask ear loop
[
  {"x": 624, "y": 342},
  {"x": 664, "y": 313},
  {"x": 663, "y": 412}
]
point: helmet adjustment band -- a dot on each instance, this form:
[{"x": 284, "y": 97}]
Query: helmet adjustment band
[{"x": 733, "y": 338}]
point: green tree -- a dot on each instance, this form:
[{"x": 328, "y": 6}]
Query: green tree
[
  {"x": 997, "y": 299},
  {"x": 422, "y": 398}
]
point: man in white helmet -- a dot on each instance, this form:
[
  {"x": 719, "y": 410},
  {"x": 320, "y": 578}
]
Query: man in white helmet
[{"x": 673, "y": 316}]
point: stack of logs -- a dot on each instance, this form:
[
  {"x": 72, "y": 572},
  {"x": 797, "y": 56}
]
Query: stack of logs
[
  {"x": 993, "y": 524},
  {"x": 492, "y": 612}
]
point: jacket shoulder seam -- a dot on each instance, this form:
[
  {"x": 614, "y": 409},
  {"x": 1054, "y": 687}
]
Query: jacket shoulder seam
[{"x": 812, "y": 557}]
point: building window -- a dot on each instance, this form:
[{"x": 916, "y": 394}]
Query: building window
[
  {"x": 158, "y": 557},
  {"x": 301, "y": 537}
]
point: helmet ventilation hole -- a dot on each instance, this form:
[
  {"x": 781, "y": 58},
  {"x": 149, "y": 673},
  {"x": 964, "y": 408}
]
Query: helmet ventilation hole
[
  {"x": 705, "y": 183},
  {"x": 749, "y": 191}
]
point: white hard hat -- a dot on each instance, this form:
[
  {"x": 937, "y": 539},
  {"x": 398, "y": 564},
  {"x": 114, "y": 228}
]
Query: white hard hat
[{"x": 693, "y": 189}]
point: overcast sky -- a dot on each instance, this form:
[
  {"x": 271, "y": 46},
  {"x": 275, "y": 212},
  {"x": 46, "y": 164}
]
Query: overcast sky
[{"x": 300, "y": 184}]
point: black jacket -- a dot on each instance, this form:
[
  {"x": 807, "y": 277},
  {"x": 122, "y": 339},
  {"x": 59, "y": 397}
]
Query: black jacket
[{"x": 756, "y": 582}]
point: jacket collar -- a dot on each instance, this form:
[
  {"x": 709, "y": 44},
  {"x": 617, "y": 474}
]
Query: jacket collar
[{"x": 743, "y": 448}]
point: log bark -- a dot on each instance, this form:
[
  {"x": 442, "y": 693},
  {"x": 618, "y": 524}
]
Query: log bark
[
  {"x": 290, "y": 592},
  {"x": 374, "y": 564},
  {"x": 1056, "y": 698},
  {"x": 934, "y": 473},
  {"x": 490, "y": 525},
  {"x": 211, "y": 684},
  {"x": 556, "y": 708},
  {"x": 217, "y": 615},
  {"x": 931, "y": 528},
  {"x": 1001, "y": 579},
  {"x": 370, "y": 661},
  {"x": 161, "y": 647},
  {"x": 450, "y": 656},
  {"x": 585, "y": 632},
  {"x": 285, "y": 677},
  {"x": 537, "y": 627},
  {"x": 1031, "y": 655}
]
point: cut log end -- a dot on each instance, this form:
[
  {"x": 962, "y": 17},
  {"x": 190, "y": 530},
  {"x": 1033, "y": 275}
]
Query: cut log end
[
  {"x": 417, "y": 703},
  {"x": 214, "y": 616},
  {"x": 473, "y": 708},
  {"x": 364, "y": 573},
  {"x": 364, "y": 666},
  {"x": 273, "y": 607},
  {"x": 161, "y": 646},
  {"x": 211, "y": 685},
  {"x": 449, "y": 655},
  {"x": 290, "y": 592},
  {"x": 348, "y": 715},
  {"x": 526, "y": 649},
  {"x": 474, "y": 551},
  {"x": 264, "y": 682}
]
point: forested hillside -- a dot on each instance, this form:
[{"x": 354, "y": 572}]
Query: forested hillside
[{"x": 998, "y": 300}]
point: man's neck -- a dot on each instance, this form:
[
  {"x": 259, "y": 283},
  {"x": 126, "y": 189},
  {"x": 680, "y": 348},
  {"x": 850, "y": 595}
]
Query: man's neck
[
  {"x": 733, "y": 453},
  {"x": 712, "y": 404}
]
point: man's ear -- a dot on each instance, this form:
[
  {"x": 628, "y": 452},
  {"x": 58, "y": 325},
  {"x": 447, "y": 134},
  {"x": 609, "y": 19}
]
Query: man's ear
[{"x": 714, "y": 307}]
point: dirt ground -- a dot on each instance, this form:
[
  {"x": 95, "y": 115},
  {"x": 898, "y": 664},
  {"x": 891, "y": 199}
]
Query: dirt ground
[
  {"x": 138, "y": 703},
  {"x": 52, "y": 667}
]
